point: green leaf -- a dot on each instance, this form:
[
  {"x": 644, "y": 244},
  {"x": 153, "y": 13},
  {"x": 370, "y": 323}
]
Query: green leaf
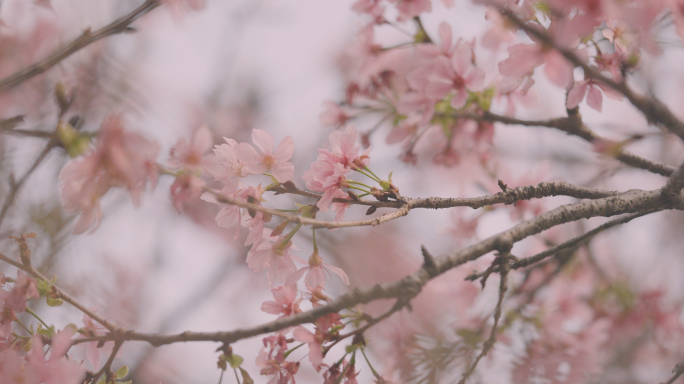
[
  {"x": 121, "y": 372},
  {"x": 125, "y": 382},
  {"x": 51, "y": 301},
  {"x": 235, "y": 360},
  {"x": 46, "y": 332},
  {"x": 246, "y": 379}
]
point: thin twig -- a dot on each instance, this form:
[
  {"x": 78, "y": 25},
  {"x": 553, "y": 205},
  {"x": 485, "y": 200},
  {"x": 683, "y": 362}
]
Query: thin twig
[
  {"x": 120, "y": 25},
  {"x": 106, "y": 369},
  {"x": 677, "y": 371},
  {"x": 573, "y": 125},
  {"x": 16, "y": 186},
  {"x": 503, "y": 287}
]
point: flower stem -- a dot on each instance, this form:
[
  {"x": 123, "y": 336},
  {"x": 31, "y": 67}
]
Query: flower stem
[
  {"x": 23, "y": 326},
  {"x": 376, "y": 179},
  {"x": 358, "y": 183},
  {"x": 372, "y": 173},
  {"x": 287, "y": 353},
  {"x": 359, "y": 189},
  {"x": 29, "y": 310},
  {"x": 375, "y": 373}
]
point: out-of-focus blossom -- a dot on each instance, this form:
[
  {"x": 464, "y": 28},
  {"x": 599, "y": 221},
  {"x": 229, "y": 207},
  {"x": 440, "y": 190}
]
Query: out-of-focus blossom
[
  {"x": 91, "y": 328},
  {"x": 411, "y": 8},
  {"x": 457, "y": 75},
  {"x": 54, "y": 370},
  {"x": 23, "y": 290},
  {"x": 190, "y": 156},
  {"x": 333, "y": 115},
  {"x": 501, "y": 32},
  {"x": 185, "y": 190},
  {"x": 120, "y": 159},
  {"x": 267, "y": 160},
  {"x": 524, "y": 58},
  {"x": 590, "y": 88}
]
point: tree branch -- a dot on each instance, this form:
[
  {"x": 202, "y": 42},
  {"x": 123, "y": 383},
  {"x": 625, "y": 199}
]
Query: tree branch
[
  {"x": 87, "y": 38},
  {"x": 653, "y": 109},
  {"x": 634, "y": 201},
  {"x": 573, "y": 125}
]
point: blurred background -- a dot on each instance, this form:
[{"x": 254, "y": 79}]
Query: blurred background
[{"x": 266, "y": 64}]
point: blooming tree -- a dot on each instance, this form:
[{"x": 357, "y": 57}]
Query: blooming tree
[{"x": 528, "y": 293}]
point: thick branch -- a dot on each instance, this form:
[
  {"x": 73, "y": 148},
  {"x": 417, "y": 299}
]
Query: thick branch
[
  {"x": 87, "y": 38},
  {"x": 511, "y": 195},
  {"x": 631, "y": 202}
]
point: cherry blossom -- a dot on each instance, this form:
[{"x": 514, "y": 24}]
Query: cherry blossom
[
  {"x": 286, "y": 302},
  {"x": 315, "y": 343},
  {"x": 410, "y": 8},
  {"x": 328, "y": 173},
  {"x": 267, "y": 160},
  {"x": 316, "y": 271},
  {"x": 230, "y": 169},
  {"x": 120, "y": 159},
  {"x": 591, "y": 89},
  {"x": 190, "y": 156},
  {"x": 524, "y": 58},
  {"x": 56, "y": 369}
]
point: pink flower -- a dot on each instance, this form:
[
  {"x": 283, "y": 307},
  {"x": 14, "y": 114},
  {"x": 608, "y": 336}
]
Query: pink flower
[
  {"x": 455, "y": 74},
  {"x": 333, "y": 115},
  {"x": 501, "y": 32},
  {"x": 286, "y": 302},
  {"x": 524, "y": 58},
  {"x": 56, "y": 369},
  {"x": 315, "y": 273},
  {"x": 315, "y": 342},
  {"x": 340, "y": 208},
  {"x": 591, "y": 89},
  {"x": 120, "y": 159},
  {"x": 230, "y": 215},
  {"x": 328, "y": 173},
  {"x": 410, "y": 8},
  {"x": 189, "y": 156},
  {"x": 267, "y": 160},
  {"x": 185, "y": 190},
  {"x": 273, "y": 253},
  {"x": 92, "y": 351},
  {"x": 23, "y": 290},
  {"x": 231, "y": 170}
]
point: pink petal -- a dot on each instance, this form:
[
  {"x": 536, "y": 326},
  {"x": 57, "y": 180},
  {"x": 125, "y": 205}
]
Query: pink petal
[
  {"x": 285, "y": 149},
  {"x": 303, "y": 335},
  {"x": 437, "y": 90},
  {"x": 594, "y": 98},
  {"x": 93, "y": 354},
  {"x": 294, "y": 278},
  {"x": 203, "y": 140},
  {"x": 576, "y": 94},
  {"x": 459, "y": 99},
  {"x": 445, "y": 34},
  {"x": 462, "y": 58},
  {"x": 315, "y": 278},
  {"x": 339, "y": 272},
  {"x": 558, "y": 69},
  {"x": 272, "y": 307},
  {"x": 316, "y": 355},
  {"x": 263, "y": 140},
  {"x": 247, "y": 154},
  {"x": 475, "y": 79},
  {"x": 282, "y": 171}
]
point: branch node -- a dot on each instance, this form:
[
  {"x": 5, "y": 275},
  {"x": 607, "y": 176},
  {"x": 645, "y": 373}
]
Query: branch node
[{"x": 429, "y": 264}]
